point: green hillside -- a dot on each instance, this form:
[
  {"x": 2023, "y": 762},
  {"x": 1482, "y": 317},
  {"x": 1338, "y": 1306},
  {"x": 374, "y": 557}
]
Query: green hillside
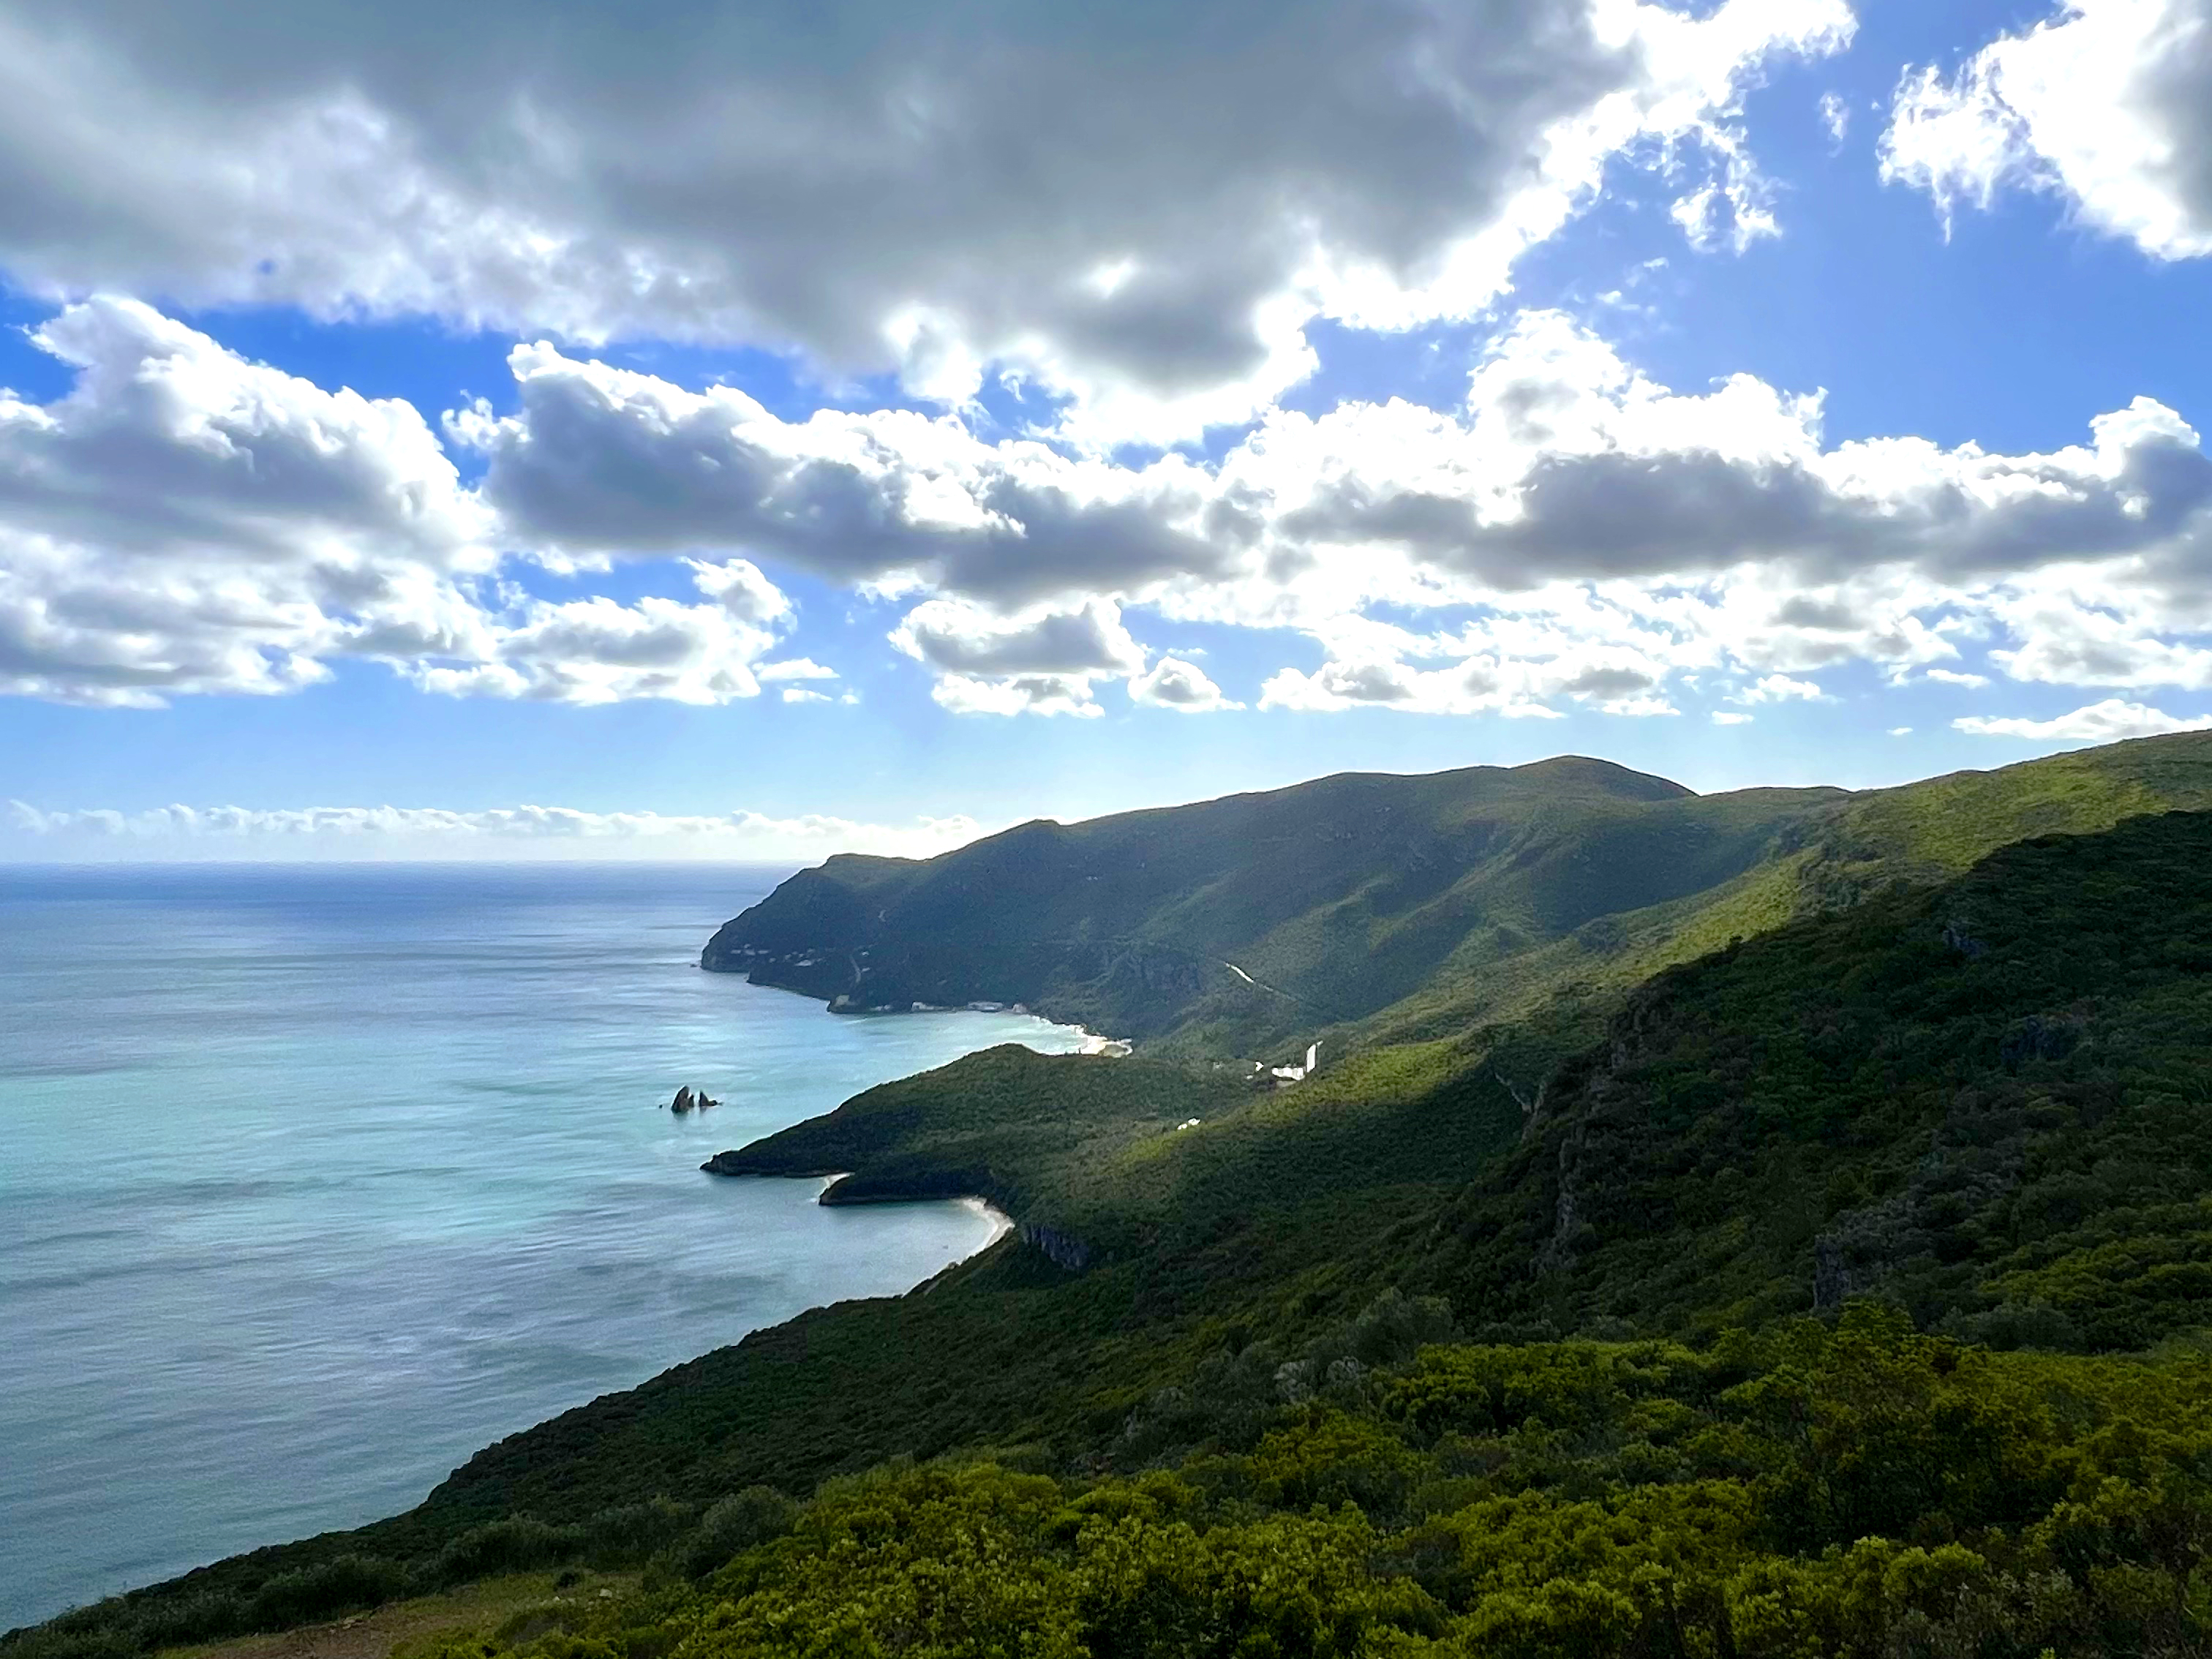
[
  {"x": 1373, "y": 908},
  {"x": 1236, "y": 923},
  {"x": 1841, "y": 1291},
  {"x": 1989, "y": 1102}
]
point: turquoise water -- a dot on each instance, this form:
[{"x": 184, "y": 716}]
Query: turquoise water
[{"x": 313, "y": 1181}]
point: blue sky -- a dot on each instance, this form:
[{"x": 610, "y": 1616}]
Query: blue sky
[{"x": 770, "y": 430}]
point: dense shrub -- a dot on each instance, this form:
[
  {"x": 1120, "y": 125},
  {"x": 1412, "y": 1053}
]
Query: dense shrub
[
  {"x": 632, "y": 1534},
  {"x": 344, "y": 1585},
  {"x": 740, "y": 1521},
  {"x": 515, "y": 1545}
]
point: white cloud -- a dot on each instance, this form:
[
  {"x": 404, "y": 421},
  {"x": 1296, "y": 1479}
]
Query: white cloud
[
  {"x": 1180, "y": 685},
  {"x": 1723, "y": 717},
  {"x": 1607, "y": 532},
  {"x": 595, "y": 651},
  {"x": 1575, "y": 533},
  {"x": 800, "y": 694},
  {"x": 1835, "y": 116},
  {"x": 955, "y": 635},
  {"x": 1953, "y": 676},
  {"x": 600, "y": 460},
  {"x": 1475, "y": 686},
  {"x": 2079, "y": 634},
  {"x": 1037, "y": 661},
  {"x": 1900, "y": 730},
  {"x": 2100, "y": 722},
  {"x": 794, "y": 668},
  {"x": 370, "y": 832},
  {"x": 1140, "y": 209},
  {"x": 1016, "y": 693},
  {"x": 2108, "y": 102},
  {"x": 183, "y": 521},
  {"x": 1780, "y": 688},
  {"x": 1601, "y": 525}
]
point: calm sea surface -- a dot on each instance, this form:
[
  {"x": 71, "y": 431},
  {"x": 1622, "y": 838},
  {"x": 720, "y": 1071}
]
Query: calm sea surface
[{"x": 313, "y": 1181}]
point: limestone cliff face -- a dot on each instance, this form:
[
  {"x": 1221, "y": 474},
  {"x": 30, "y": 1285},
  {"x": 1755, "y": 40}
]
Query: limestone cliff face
[{"x": 1064, "y": 1250}]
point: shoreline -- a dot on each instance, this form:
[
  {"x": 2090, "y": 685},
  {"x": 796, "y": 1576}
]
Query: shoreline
[
  {"x": 1093, "y": 1041},
  {"x": 1002, "y": 1222}
]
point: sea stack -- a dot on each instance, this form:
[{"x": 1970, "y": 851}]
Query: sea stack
[{"x": 683, "y": 1103}]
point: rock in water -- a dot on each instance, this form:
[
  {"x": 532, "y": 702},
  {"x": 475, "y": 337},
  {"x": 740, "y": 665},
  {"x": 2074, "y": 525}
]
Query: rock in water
[{"x": 683, "y": 1103}]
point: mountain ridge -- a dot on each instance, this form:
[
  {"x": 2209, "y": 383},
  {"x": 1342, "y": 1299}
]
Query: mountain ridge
[{"x": 1378, "y": 906}]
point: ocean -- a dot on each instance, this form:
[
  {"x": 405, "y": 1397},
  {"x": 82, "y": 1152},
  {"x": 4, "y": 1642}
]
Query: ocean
[{"x": 315, "y": 1180}]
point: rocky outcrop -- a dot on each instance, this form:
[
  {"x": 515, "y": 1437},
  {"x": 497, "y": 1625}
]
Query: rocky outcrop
[
  {"x": 737, "y": 1164},
  {"x": 1973, "y": 1164},
  {"x": 1958, "y": 937},
  {"x": 691, "y": 1100},
  {"x": 1062, "y": 1249}
]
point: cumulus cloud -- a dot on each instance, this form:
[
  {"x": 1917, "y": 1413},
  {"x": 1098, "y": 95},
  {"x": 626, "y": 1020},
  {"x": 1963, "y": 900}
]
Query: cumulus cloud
[
  {"x": 949, "y": 634},
  {"x": 1016, "y": 693},
  {"x": 184, "y": 522},
  {"x": 502, "y": 832},
  {"x": 2100, "y": 722},
  {"x": 1473, "y": 687},
  {"x": 2073, "y": 637},
  {"x": 595, "y": 651},
  {"x": 1139, "y": 208},
  {"x": 1609, "y": 531},
  {"x": 1781, "y": 688},
  {"x": 2107, "y": 102},
  {"x": 600, "y": 460},
  {"x": 1183, "y": 686},
  {"x": 1040, "y": 661},
  {"x": 1573, "y": 533},
  {"x": 794, "y": 668}
]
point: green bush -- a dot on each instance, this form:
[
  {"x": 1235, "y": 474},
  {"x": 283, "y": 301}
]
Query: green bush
[
  {"x": 740, "y": 1521},
  {"x": 347, "y": 1584},
  {"x": 517, "y": 1544},
  {"x": 631, "y": 1535}
]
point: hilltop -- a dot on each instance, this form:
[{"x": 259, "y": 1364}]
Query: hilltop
[{"x": 1371, "y": 908}]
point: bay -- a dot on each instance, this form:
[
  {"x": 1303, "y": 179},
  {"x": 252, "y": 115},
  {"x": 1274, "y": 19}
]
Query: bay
[{"x": 315, "y": 1180}]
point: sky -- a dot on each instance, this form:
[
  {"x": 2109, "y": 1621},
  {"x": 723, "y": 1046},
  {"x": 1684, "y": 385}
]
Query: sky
[{"x": 574, "y": 429}]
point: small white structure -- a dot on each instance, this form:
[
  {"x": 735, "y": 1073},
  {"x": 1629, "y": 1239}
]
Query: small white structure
[{"x": 1298, "y": 1073}]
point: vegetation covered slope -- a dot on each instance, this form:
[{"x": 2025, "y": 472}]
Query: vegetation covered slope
[
  {"x": 1864, "y": 1492},
  {"x": 1236, "y": 921},
  {"x": 1980, "y": 1104},
  {"x": 1989, "y": 1103},
  {"x": 1375, "y": 907}
]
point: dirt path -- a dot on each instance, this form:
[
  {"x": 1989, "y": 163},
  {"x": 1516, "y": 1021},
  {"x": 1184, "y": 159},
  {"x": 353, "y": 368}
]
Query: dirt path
[{"x": 378, "y": 1635}]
